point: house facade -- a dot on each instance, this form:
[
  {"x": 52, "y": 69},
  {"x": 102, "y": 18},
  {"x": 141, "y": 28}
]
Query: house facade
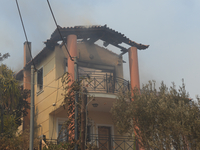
[{"x": 102, "y": 66}]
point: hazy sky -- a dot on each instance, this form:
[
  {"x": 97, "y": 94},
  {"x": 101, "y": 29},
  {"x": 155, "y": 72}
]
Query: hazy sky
[{"x": 170, "y": 27}]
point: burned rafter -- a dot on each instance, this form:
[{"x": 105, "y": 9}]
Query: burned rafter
[
  {"x": 50, "y": 44},
  {"x": 91, "y": 34},
  {"x": 123, "y": 49},
  {"x": 84, "y": 39},
  {"x": 105, "y": 43},
  {"x": 92, "y": 40}
]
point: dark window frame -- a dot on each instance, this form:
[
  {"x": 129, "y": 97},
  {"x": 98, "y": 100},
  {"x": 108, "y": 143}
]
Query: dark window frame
[{"x": 40, "y": 79}]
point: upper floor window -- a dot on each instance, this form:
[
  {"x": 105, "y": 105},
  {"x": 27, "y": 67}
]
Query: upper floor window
[
  {"x": 40, "y": 79},
  {"x": 66, "y": 65}
]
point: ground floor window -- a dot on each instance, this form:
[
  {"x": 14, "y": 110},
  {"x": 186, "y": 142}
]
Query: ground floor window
[{"x": 62, "y": 131}]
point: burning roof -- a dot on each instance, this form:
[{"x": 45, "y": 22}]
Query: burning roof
[{"x": 91, "y": 34}]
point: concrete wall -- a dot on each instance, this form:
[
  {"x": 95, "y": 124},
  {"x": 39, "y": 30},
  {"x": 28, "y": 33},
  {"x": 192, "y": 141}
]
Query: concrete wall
[
  {"x": 95, "y": 54},
  {"x": 53, "y": 69},
  {"x": 98, "y": 57}
]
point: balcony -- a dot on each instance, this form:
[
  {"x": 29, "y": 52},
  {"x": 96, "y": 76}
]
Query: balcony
[
  {"x": 111, "y": 142},
  {"x": 105, "y": 142},
  {"x": 103, "y": 82}
]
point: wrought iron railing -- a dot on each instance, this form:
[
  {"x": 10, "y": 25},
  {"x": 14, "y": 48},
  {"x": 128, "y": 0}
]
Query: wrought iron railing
[
  {"x": 104, "y": 83},
  {"x": 111, "y": 142},
  {"x": 105, "y": 142}
]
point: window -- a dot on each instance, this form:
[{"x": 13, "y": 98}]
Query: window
[
  {"x": 40, "y": 79},
  {"x": 66, "y": 65},
  {"x": 62, "y": 133}
]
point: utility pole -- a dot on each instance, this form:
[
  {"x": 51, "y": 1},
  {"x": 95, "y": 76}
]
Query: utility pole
[
  {"x": 83, "y": 118},
  {"x": 76, "y": 102},
  {"x": 32, "y": 110}
]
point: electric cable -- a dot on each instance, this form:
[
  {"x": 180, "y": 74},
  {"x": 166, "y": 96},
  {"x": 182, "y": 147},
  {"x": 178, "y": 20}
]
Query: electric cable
[
  {"x": 58, "y": 88},
  {"x": 25, "y": 33},
  {"x": 59, "y": 30}
]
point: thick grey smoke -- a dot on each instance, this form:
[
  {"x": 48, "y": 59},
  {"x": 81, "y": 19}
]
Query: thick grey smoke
[
  {"x": 170, "y": 27},
  {"x": 38, "y": 23}
]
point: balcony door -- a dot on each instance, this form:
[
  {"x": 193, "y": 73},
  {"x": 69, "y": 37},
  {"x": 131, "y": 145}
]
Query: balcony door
[{"x": 104, "y": 137}]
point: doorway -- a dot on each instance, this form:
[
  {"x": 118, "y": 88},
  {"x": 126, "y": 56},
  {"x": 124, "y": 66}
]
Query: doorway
[{"x": 104, "y": 137}]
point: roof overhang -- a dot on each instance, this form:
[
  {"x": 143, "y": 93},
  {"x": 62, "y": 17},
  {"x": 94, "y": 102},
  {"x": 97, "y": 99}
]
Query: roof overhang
[{"x": 91, "y": 34}]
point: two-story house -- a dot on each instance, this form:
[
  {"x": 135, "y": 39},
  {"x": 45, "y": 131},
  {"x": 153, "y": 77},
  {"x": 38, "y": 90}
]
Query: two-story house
[{"x": 105, "y": 69}]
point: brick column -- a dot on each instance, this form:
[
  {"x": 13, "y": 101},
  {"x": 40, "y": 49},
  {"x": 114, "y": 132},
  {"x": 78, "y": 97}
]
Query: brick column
[
  {"x": 134, "y": 69},
  {"x": 72, "y": 47},
  {"x": 134, "y": 75}
]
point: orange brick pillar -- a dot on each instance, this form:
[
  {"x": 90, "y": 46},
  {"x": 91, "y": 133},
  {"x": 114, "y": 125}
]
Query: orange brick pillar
[
  {"x": 134, "y": 69},
  {"x": 72, "y": 47},
  {"x": 27, "y": 81},
  {"x": 134, "y": 73}
]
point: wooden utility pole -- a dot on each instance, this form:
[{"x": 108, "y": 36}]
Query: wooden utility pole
[{"x": 83, "y": 118}]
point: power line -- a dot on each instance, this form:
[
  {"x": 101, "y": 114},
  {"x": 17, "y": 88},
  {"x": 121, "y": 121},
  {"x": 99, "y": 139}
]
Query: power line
[
  {"x": 25, "y": 33},
  {"x": 58, "y": 88},
  {"x": 30, "y": 83},
  {"x": 59, "y": 30}
]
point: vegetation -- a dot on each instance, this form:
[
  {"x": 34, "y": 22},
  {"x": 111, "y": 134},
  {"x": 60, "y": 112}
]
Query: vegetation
[
  {"x": 12, "y": 101},
  {"x": 160, "y": 119},
  {"x": 13, "y": 107},
  {"x": 17, "y": 142}
]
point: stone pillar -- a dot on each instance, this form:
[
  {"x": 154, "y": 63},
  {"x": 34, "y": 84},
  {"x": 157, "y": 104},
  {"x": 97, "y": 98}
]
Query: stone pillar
[
  {"x": 27, "y": 81},
  {"x": 134, "y": 69}
]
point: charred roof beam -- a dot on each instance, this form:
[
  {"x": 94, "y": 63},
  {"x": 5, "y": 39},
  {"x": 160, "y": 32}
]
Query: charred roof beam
[
  {"x": 84, "y": 40},
  {"x": 123, "y": 52},
  {"x": 105, "y": 43},
  {"x": 103, "y": 32},
  {"x": 92, "y": 40},
  {"x": 50, "y": 44},
  {"x": 123, "y": 49}
]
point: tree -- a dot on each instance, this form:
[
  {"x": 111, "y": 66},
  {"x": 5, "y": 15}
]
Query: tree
[
  {"x": 161, "y": 119},
  {"x": 13, "y": 101}
]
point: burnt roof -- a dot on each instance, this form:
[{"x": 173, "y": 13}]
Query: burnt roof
[{"x": 91, "y": 34}]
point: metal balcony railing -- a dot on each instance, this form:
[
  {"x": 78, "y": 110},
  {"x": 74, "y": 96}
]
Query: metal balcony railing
[
  {"x": 111, "y": 142},
  {"x": 105, "y": 142},
  {"x": 104, "y": 83}
]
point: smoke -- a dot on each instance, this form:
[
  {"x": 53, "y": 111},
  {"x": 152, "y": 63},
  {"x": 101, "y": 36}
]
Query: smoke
[{"x": 39, "y": 25}]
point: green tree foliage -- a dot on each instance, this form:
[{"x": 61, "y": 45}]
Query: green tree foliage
[
  {"x": 19, "y": 142},
  {"x": 160, "y": 119},
  {"x": 12, "y": 101}
]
